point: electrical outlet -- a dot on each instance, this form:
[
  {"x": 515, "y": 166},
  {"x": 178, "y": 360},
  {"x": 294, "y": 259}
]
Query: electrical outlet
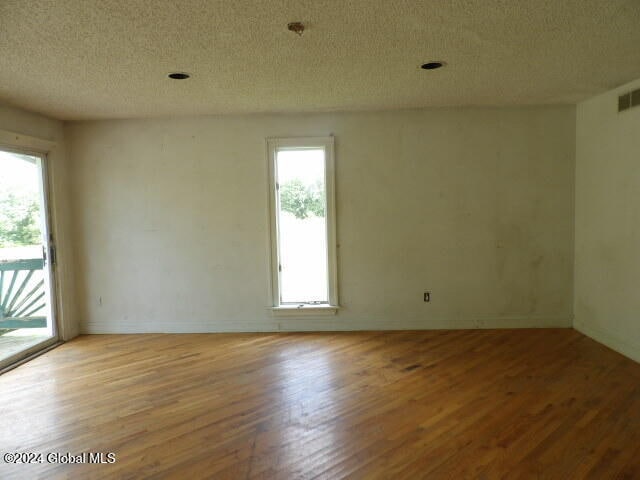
[{"x": 427, "y": 297}]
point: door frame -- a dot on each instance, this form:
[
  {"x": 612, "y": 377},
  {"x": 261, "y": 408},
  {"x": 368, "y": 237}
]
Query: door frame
[{"x": 22, "y": 144}]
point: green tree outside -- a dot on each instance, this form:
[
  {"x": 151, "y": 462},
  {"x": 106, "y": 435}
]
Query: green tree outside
[
  {"x": 302, "y": 200},
  {"x": 18, "y": 221}
]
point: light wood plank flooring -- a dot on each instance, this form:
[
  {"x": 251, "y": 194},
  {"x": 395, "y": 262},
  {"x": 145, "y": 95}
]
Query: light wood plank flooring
[{"x": 374, "y": 405}]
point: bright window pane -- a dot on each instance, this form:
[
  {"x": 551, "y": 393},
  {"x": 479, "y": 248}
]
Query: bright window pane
[
  {"x": 25, "y": 313},
  {"x": 302, "y": 225}
]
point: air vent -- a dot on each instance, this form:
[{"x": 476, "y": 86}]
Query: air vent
[{"x": 628, "y": 100}]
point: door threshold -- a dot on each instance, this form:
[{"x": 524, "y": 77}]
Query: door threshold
[{"x": 30, "y": 356}]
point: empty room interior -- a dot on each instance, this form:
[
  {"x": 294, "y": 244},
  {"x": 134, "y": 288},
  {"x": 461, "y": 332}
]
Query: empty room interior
[{"x": 296, "y": 239}]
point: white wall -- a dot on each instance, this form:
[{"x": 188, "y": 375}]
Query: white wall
[
  {"x": 20, "y": 121},
  {"x": 475, "y": 205},
  {"x": 607, "y": 271}
]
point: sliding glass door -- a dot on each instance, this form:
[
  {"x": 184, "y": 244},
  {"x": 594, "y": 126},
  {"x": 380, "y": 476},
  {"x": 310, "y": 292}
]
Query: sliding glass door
[{"x": 26, "y": 315}]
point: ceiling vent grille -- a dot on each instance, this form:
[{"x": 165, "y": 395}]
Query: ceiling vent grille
[{"x": 628, "y": 100}]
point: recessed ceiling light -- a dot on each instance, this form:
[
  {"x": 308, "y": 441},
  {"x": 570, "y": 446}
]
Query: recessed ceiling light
[
  {"x": 432, "y": 65},
  {"x": 179, "y": 76}
]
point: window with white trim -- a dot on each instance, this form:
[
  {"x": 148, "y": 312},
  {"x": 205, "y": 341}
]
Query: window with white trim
[{"x": 302, "y": 220}]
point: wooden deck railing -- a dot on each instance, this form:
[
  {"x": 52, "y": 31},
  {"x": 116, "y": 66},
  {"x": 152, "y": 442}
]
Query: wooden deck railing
[{"x": 22, "y": 294}]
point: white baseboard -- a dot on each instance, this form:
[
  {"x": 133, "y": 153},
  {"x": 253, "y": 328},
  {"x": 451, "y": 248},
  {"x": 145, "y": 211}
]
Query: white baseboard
[
  {"x": 324, "y": 324},
  {"x": 616, "y": 342}
]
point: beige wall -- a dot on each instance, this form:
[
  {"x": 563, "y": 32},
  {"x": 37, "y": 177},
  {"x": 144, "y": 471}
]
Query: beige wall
[
  {"x": 19, "y": 121},
  {"x": 475, "y": 205},
  {"x": 607, "y": 300}
]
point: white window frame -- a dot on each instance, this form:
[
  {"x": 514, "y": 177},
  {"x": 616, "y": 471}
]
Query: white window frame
[{"x": 327, "y": 144}]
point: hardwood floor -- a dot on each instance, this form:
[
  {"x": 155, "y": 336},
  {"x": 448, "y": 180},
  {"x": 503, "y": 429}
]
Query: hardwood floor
[{"x": 374, "y": 405}]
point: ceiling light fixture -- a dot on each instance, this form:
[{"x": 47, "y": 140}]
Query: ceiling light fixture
[
  {"x": 432, "y": 65},
  {"x": 296, "y": 27},
  {"x": 179, "y": 76}
]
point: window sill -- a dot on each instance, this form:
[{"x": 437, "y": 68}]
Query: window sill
[{"x": 304, "y": 310}]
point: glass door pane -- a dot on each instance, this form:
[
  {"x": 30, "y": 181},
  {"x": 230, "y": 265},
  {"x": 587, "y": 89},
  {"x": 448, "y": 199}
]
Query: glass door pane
[{"x": 26, "y": 319}]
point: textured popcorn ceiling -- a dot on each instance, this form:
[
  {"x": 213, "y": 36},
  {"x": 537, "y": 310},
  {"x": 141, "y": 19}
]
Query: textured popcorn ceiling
[{"x": 84, "y": 59}]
